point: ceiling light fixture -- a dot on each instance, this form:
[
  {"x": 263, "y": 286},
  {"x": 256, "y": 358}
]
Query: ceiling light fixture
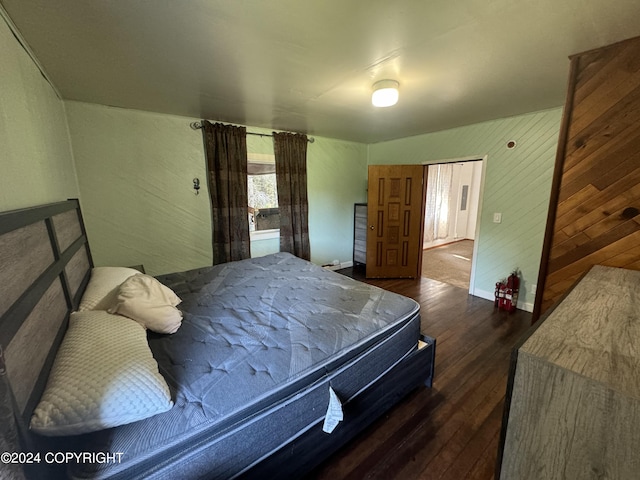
[{"x": 385, "y": 93}]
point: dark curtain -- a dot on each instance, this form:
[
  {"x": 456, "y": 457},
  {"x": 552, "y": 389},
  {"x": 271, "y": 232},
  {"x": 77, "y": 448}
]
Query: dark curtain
[
  {"x": 291, "y": 179},
  {"x": 226, "y": 153}
]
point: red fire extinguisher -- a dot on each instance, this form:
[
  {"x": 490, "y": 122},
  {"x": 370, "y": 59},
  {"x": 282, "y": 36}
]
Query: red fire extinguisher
[
  {"x": 506, "y": 294},
  {"x": 499, "y": 293},
  {"x": 513, "y": 283}
]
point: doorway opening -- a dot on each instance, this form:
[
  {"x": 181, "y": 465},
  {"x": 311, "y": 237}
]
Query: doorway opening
[{"x": 451, "y": 220}]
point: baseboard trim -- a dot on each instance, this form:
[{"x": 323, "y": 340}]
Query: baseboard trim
[{"x": 339, "y": 266}]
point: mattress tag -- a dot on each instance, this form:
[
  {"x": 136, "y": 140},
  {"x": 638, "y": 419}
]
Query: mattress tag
[{"x": 334, "y": 413}]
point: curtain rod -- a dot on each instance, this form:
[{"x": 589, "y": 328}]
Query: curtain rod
[{"x": 198, "y": 126}]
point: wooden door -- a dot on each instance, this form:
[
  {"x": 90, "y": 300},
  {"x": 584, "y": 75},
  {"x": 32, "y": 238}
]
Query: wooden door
[{"x": 395, "y": 214}]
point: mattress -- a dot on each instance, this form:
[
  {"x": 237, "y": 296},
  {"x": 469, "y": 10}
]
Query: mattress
[{"x": 262, "y": 341}]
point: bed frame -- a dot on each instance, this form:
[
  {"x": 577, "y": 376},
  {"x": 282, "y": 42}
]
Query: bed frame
[{"x": 45, "y": 265}]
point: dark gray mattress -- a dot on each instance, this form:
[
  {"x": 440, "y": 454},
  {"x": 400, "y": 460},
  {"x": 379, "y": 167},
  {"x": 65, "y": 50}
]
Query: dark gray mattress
[{"x": 250, "y": 368}]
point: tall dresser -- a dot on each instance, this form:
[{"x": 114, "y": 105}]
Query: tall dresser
[
  {"x": 572, "y": 409},
  {"x": 360, "y": 234}
]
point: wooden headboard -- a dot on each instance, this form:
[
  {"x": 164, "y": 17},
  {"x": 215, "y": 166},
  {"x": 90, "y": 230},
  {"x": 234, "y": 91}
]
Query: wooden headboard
[{"x": 45, "y": 265}]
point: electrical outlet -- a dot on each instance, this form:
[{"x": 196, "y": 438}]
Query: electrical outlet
[
  {"x": 534, "y": 287},
  {"x": 497, "y": 218}
]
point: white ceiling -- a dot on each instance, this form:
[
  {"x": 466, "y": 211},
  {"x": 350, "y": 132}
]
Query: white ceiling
[{"x": 308, "y": 66}]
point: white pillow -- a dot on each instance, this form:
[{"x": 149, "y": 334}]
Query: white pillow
[
  {"x": 102, "y": 287},
  {"x": 103, "y": 375},
  {"x": 149, "y": 302}
]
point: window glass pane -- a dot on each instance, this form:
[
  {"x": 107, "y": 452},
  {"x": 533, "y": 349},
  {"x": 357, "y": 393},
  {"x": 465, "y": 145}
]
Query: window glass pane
[
  {"x": 263, "y": 202},
  {"x": 262, "y": 191}
]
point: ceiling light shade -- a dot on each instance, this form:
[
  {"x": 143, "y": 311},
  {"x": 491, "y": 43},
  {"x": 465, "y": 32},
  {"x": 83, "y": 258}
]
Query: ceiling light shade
[{"x": 385, "y": 93}]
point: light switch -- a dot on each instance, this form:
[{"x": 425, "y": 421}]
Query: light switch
[{"x": 497, "y": 218}]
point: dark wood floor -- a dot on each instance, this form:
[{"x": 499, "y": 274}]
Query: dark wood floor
[{"x": 452, "y": 430}]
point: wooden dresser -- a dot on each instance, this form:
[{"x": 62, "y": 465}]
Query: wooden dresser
[{"x": 573, "y": 400}]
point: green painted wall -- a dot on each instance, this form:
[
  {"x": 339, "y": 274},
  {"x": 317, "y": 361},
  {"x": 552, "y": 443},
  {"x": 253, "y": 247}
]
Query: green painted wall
[
  {"x": 36, "y": 159},
  {"x": 135, "y": 171},
  {"x": 517, "y": 184},
  {"x": 336, "y": 179}
]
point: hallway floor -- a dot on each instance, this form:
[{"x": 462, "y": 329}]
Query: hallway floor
[{"x": 450, "y": 263}]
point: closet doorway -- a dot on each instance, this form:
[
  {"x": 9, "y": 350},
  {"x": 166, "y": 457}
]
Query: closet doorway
[{"x": 450, "y": 221}]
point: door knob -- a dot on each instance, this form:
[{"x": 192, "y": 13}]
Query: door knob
[{"x": 371, "y": 227}]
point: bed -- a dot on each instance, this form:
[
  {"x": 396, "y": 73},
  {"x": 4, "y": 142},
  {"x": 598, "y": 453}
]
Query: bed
[{"x": 276, "y": 363}]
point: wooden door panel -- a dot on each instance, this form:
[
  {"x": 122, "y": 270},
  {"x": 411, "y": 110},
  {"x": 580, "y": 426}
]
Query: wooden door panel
[{"x": 395, "y": 214}]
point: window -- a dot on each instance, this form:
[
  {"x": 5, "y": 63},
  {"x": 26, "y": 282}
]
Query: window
[{"x": 264, "y": 216}]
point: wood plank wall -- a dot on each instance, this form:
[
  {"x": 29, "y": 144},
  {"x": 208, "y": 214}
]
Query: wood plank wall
[{"x": 594, "y": 216}]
